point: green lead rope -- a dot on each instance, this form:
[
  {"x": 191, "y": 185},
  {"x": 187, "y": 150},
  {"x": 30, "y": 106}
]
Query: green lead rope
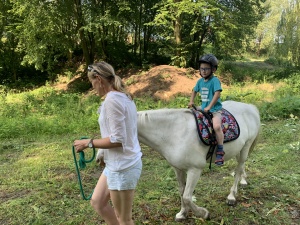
[{"x": 82, "y": 164}]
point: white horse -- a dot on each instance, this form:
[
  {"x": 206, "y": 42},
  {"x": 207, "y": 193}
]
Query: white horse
[{"x": 173, "y": 133}]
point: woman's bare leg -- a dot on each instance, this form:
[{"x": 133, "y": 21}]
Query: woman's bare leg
[
  {"x": 100, "y": 202},
  {"x": 122, "y": 202}
]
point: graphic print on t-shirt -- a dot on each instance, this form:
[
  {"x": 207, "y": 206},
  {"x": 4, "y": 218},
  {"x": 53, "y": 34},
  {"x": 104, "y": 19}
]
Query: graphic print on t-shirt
[{"x": 204, "y": 94}]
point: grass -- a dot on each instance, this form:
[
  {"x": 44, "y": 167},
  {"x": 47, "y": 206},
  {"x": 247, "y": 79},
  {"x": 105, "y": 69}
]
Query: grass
[
  {"x": 38, "y": 181},
  {"x": 39, "y": 184}
]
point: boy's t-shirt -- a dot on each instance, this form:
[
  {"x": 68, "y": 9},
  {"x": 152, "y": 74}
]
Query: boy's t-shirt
[{"x": 207, "y": 90}]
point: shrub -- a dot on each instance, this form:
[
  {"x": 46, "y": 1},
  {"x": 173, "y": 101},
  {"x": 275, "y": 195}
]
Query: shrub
[{"x": 281, "y": 108}]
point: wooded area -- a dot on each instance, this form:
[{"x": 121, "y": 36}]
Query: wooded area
[{"x": 41, "y": 37}]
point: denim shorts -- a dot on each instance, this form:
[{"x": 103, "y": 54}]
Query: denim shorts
[{"x": 124, "y": 180}]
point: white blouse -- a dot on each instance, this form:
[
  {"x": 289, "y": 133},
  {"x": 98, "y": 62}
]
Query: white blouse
[{"x": 118, "y": 121}]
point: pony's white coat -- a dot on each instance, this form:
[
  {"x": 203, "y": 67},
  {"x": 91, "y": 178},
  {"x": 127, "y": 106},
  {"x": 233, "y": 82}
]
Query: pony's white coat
[{"x": 173, "y": 133}]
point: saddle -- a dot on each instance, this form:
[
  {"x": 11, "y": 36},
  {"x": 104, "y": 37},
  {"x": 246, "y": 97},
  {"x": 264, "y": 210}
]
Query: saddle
[{"x": 230, "y": 128}]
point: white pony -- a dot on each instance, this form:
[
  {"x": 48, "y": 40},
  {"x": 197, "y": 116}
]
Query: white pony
[{"x": 173, "y": 133}]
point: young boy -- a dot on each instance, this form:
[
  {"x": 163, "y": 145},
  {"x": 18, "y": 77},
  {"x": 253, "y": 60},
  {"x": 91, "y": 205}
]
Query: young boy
[{"x": 210, "y": 89}]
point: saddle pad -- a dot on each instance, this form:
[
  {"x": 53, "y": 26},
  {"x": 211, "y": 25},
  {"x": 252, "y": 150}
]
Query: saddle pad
[{"x": 230, "y": 127}]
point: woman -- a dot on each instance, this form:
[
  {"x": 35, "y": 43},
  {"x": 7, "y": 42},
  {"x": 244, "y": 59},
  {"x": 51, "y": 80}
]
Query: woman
[{"x": 122, "y": 151}]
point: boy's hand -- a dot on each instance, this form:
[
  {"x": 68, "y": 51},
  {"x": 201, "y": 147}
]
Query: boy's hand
[
  {"x": 190, "y": 105},
  {"x": 206, "y": 109}
]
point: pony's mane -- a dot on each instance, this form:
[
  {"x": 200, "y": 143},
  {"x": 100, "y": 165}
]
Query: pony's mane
[{"x": 161, "y": 113}]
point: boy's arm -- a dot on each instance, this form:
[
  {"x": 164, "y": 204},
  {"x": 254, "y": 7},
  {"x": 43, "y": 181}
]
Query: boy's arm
[
  {"x": 213, "y": 101},
  {"x": 194, "y": 93}
]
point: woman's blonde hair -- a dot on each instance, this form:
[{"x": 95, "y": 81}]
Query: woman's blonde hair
[{"x": 107, "y": 72}]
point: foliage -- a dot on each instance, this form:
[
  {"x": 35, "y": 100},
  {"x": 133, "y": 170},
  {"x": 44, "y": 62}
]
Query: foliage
[
  {"x": 198, "y": 24},
  {"x": 288, "y": 33},
  {"x": 288, "y": 107},
  {"x": 265, "y": 34},
  {"x": 49, "y": 36},
  {"x": 286, "y": 102},
  {"x": 44, "y": 112},
  {"x": 45, "y": 35},
  {"x": 278, "y": 61},
  {"x": 254, "y": 71},
  {"x": 11, "y": 69}
]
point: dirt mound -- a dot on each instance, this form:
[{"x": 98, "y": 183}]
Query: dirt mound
[{"x": 163, "y": 82}]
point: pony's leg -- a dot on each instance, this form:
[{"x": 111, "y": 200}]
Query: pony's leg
[
  {"x": 240, "y": 175},
  {"x": 181, "y": 179},
  {"x": 231, "y": 198},
  {"x": 193, "y": 176},
  {"x": 243, "y": 181}
]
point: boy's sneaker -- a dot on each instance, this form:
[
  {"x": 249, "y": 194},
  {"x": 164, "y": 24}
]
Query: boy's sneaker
[{"x": 220, "y": 157}]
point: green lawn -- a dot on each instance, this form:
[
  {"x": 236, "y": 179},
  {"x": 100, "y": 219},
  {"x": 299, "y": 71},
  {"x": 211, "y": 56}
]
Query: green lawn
[{"x": 39, "y": 184}]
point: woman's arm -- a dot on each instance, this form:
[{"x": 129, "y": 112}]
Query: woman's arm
[{"x": 104, "y": 143}]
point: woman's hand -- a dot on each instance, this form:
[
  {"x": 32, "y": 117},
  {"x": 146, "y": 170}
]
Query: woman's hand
[{"x": 80, "y": 145}]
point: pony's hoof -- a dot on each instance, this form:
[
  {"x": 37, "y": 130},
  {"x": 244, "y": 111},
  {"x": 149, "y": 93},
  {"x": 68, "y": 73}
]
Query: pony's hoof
[
  {"x": 179, "y": 219},
  {"x": 243, "y": 185},
  {"x": 202, "y": 213},
  {"x": 231, "y": 202},
  {"x": 181, "y": 216}
]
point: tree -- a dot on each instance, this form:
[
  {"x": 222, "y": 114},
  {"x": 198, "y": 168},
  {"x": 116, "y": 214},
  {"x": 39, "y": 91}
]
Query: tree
[
  {"x": 235, "y": 21},
  {"x": 220, "y": 25},
  {"x": 46, "y": 32},
  {"x": 171, "y": 17},
  {"x": 9, "y": 56},
  {"x": 266, "y": 30},
  {"x": 288, "y": 33}
]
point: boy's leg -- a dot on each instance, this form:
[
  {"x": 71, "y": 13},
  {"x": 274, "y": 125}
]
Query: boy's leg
[{"x": 217, "y": 120}]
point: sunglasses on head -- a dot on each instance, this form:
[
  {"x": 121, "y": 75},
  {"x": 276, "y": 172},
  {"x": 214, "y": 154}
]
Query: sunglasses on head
[{"x": 91, "y": 69}]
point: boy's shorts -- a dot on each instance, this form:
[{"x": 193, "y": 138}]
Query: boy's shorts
[
  {"x": 218, "y": 114},
  {"x": 124, "y": 180}
]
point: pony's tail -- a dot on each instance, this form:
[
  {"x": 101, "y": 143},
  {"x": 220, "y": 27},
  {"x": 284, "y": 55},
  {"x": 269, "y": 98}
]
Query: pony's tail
[
  {"x": 254, "y": 143},
  {"x": 257, "y": 135}
]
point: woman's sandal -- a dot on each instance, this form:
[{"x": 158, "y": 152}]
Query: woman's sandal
[{"x": 220, "y": 158}]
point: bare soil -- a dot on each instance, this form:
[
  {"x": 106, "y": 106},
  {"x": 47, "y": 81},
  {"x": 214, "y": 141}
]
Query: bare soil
[
  {"x": 163, "y": 82},
  {"x": 160, "y": 82}
]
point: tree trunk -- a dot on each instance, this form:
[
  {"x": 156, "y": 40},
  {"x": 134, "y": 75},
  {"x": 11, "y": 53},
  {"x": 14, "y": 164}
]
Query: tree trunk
[
  {"x": 139, "y": 34},
  {"x": 86, "y": 48},
  {"x": 177, "y": 35}
]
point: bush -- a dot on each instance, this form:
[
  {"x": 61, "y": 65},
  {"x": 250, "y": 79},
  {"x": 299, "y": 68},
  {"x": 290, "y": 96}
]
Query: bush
[
  {"x": 281, "y": 108},
  {"x": 47, "y": 112},
  {"x": 255, "y": 71},
  {"x": 286, "y": 102}
]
